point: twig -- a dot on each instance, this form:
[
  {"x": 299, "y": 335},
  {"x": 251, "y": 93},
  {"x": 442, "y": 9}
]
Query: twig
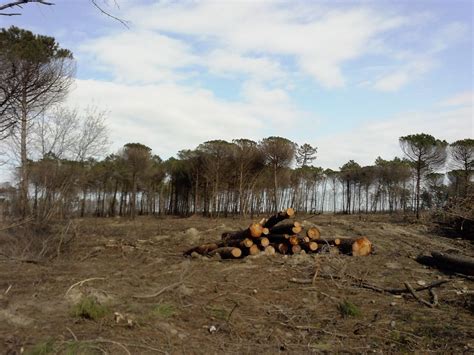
[
  {"x": 61, "y": 240},
  {"x": 25, "y": 221},
  {"x": 18, "y": 3},
  {"x": 100, "y": 340},
  {"x": 418, "y": 298},
  {"x": 8, "y": 289},
  {"x": 123, "y": 22},
  {"x": 80, "y": 283},
  {"x": 164, "y": 289},
  {"x": 232, "y": 311},
  {"x": 361, "y": 283},
  {"x": 434, "y": 297},
  {"x": 73, "y": 335}
]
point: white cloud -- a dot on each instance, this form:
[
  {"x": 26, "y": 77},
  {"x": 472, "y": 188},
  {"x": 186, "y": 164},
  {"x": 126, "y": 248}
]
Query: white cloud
[
  {"x": 232, "y": 64},
  {"x": 380, "y": 138},
  {"x": 395, "y": 80},
  {"x": 413, "y": 64},
  {"x": 138, "y": 56},
  {"x": 461, "y": 99},
  {"x": 320, "y": 40},
  {"x": 169, "y": 117}
]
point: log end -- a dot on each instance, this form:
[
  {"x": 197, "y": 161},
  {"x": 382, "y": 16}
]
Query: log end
[
  {"x": 269, "y": 250},
  {"x": 313, "y": 233},
  {"x": 256, "y": 230},
  {"x": 290, "y": 212},
  {"x": 254, "y": 250},
  {"x": 361, "y": 247}
]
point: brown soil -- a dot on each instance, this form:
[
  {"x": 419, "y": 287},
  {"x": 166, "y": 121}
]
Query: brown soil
[{"x": 244, "y": 306}]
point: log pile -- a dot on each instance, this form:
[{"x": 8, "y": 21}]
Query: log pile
[{"x": 272, "y": 235}]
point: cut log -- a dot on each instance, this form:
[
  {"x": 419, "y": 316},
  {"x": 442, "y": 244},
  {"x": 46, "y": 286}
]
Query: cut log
[
  {"x": 277, "y": 218},
  {"x": 254, "y": 250},
  {"x": 313, "y": 233},
  {"x": 202, "y": 249},
  {"x": 310, "y": 246},
  {"x": 255, "y": 230},
  {"x": 265, "y": 231},
  {"x": 355, "y": 246},
  {"x": 227, "y": 252},
  {"x": 294, "y": 240},
  {"x": 282, "y": 248},
  {"x": 458, "y": 263},
  {"x": 286, "y": 229},
  {"x": 263, "y": 241},
  {"x": 329, "y": 241},
  {"x": 278, "y": 238},
  {"x": 269, "y": 250},
  {"x": 295, "y": 249},
  {"x": 246, "y": 243}
]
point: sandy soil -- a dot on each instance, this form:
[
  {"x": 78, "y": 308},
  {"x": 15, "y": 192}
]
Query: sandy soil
[{"x": 246, "y": 306}]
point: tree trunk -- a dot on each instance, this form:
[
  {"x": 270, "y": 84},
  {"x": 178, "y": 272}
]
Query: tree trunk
[
  {"x": 280, "y": 216},
  {"x": 454, "y": 263},
  {"x": 24, "y": 159},
  {"x": 134, "y": 196},
  {"x": 275, "y": 189}
]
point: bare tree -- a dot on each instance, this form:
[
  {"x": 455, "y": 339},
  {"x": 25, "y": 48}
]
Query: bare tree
[
  {"x": 92, "y": 139},
  {"x": 67, "y": 134}
]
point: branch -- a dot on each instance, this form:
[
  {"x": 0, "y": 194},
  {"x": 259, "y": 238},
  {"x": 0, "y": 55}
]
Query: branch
[
  {"x": 19, "y": 3},
  {"x": 123, "y": 22}
]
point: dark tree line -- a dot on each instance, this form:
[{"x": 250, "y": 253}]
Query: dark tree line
[{"x": 221, "y": 178}]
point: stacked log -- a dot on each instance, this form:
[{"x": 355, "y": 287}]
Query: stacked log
[{"x": 272, "y": 235}]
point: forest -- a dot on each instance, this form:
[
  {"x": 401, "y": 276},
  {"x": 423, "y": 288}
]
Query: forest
[{"x": 63, "y": 170}]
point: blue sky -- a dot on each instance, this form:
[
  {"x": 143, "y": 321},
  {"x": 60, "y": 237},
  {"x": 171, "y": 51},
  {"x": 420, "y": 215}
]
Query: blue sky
[{"x": 348, "y": 77}]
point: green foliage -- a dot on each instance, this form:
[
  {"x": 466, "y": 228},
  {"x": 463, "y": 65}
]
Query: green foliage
[
  {"x": 348, "y": 309},
  {"x": 44, "y": 348},
  {"x": 164, "y": 310},
  {"x": 218, "y": 312},
  {"x": 425, "y": 150},
  {"x": 305, "y": 154},
  {"x": 279, "y": 152},
  {"x": 18, "y": 44},
  {"x": 89, "y": 308}
]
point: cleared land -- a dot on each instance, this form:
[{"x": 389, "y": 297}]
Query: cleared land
[{"x": 142, "y": 296}]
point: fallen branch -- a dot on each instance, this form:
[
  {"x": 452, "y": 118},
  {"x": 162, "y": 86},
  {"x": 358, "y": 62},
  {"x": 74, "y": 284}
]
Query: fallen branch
[
  {"x": 80, "y": 283},
  {"x": 362, "y": 284},
  {"x": 164, "y": 289},
  {"x": 418, "y": 298}
]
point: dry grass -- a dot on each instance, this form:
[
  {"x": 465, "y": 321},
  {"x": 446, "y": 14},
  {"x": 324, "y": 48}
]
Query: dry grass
[{"x": 243, "y": 306}]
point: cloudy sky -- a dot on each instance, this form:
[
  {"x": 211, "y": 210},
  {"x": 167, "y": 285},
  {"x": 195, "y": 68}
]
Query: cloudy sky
[{"x": 348, "y": 77}]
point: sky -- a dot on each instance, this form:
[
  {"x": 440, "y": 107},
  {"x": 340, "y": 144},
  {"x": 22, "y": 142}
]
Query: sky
[{"x": 348, "y": 77}]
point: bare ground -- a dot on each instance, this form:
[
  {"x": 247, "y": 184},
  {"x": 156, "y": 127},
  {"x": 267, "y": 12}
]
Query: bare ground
[{"x": 247, "y": 306}]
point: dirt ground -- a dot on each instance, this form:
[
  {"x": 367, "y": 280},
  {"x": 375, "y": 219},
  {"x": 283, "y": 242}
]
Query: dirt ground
[{"x": 166, "y": 303}]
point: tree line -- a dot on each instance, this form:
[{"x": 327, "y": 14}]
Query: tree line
[
  {"x": 60, "y": 172},
  {"x": 245, "y": 177}
]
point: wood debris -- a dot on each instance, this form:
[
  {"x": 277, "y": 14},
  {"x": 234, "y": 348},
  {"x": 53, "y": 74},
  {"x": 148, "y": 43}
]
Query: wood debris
[{"x": 272, "y": 235}]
